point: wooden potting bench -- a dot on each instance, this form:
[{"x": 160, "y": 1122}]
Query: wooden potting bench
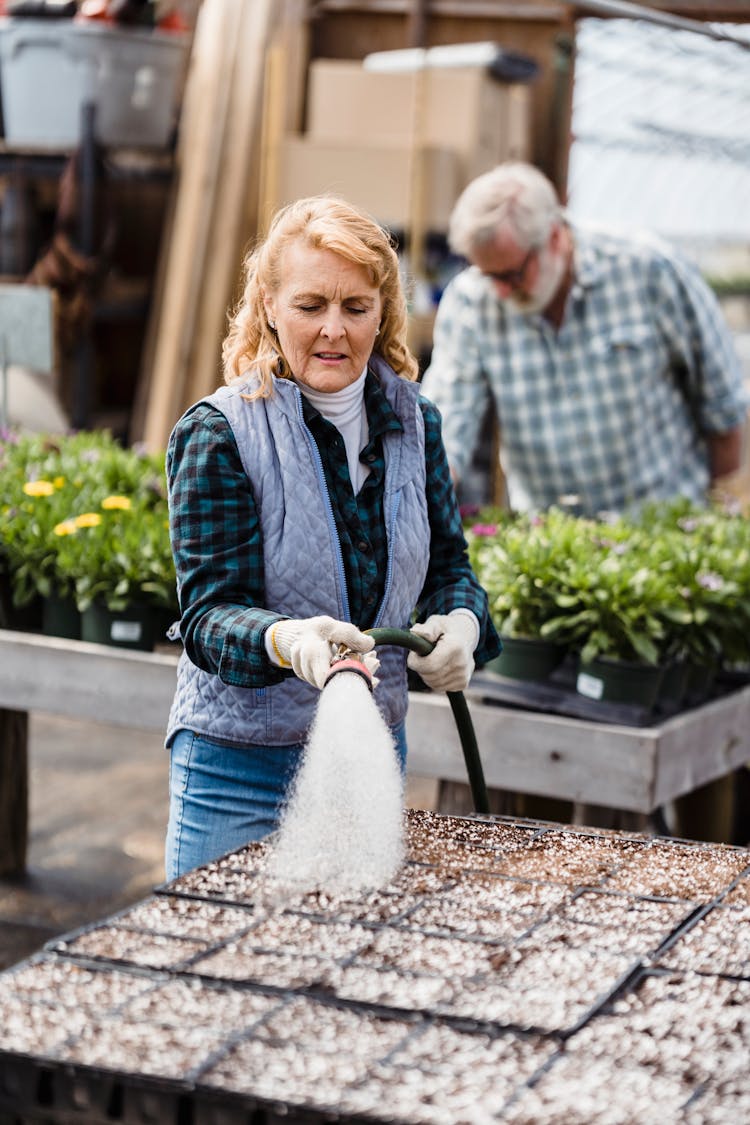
[{"x": 634, "y": 768}]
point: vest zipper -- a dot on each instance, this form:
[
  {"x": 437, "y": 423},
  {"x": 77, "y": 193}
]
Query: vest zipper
[{"x": 389, "y": 536}]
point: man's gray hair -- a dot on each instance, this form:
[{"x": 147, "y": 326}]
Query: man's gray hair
[{"x": 514, "y": 195}]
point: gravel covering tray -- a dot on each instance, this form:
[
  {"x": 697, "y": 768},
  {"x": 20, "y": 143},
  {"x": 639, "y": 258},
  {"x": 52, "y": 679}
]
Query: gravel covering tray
[
  {"x": 70, "y": 986},
  {"x": 512, "y": 971},
  {"x": 617, "y": 922},
  {"x": 703, "y": 873},
  {"x": 113, "y": 943},
  {"x": 669, "y": 1046},
  {"x": 187, "y": 919},
  {"x": 546, "y": 989},
  {"x": 574, "y": 860},
  {"x": 193, "y": 1003},
  {"x": 141, "y": 1047},
  {"x": 463, "y": 845},
  {"x": 442, "y": 1076},
  {"x": 718, "y": 943},
  {"x": 738, "y": 895},
  {"x": 486, "y": 906}
]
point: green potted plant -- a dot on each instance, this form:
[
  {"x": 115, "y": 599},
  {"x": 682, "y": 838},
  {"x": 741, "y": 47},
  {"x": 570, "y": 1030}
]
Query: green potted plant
[
  {"x": 706, "y": 552},
  {"x": 86, "y": 527},
  {"x": 521, "y": 562},
  {"x": 120, "y": 562},
  {"x": 641, "y": 598},
  {"x": 34, "y": 494}
]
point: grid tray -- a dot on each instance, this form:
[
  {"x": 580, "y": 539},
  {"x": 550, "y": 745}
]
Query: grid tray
[{"x": 478, "y": 987}]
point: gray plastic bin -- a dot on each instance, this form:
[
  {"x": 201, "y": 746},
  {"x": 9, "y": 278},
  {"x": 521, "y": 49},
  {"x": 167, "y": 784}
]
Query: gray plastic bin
[{"x": 50, "y": 68}]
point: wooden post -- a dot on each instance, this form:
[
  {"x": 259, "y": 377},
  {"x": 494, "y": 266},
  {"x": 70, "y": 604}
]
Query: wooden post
[{"x": 14, "y": 791}]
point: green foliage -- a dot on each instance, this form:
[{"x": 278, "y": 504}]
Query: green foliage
[
  {"x": 671, "y": 582},
  {"x": 82, "y": 516}
]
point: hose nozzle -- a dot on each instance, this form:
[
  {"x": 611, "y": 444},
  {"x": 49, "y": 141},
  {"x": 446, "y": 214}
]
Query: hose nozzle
[{"x": 347, "y": 660}]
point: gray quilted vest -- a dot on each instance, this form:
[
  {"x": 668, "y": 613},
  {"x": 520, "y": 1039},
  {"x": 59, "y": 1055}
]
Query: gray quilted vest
[{"x": 303, "y": 563}]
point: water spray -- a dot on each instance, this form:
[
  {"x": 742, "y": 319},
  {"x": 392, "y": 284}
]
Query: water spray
[{"x": 342, "y": 826}]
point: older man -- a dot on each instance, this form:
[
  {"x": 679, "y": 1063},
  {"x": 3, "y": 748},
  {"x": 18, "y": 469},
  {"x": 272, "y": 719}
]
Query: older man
[{"x": 613, "y": 374}]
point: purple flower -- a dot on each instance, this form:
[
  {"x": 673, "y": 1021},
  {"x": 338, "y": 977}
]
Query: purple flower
[
  {"x": 709, "y": 581},
  {"x": 484, "y": 529},
  {"x": 467, "y": 510}
]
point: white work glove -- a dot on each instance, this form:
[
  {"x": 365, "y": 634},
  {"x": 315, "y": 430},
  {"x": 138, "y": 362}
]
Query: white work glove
[
  {"x": 450, "y": 664},
  {"x": 307, "y": 645}
]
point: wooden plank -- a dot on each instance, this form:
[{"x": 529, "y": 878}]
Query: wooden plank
[
  {"x": 199, "y": 155},
  {"x": 460, "y": 9},
  {"x": 698, "y": 746},
  {"x": 81, "y": 680},
  {"x": 228, "y": 224},
  {"x": 632, "y": 768},
  {"x": 272, "y": 135},
  {"x": 546, "y": 755}
]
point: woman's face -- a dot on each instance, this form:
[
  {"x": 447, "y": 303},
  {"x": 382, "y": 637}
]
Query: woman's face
[{"x": 327, "y": 313}]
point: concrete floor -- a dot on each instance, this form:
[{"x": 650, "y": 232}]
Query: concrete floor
[
  {"x": 98, "y": 801},
  {"x": 98, "y": 813}
]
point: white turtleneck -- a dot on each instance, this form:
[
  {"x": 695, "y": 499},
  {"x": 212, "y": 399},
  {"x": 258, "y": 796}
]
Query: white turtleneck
[{"x": 346, "y": 410}]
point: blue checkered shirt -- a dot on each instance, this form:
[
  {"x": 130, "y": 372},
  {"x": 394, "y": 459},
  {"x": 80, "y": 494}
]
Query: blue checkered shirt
[{"x": 612, "y": 408}]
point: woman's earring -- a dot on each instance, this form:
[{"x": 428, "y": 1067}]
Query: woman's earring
[
  {"x": 272, "y": 325},
  {"x": 377, "y": 330}
]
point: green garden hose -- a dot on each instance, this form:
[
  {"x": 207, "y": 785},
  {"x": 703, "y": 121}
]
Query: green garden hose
[{"x": 404, "y": 638}]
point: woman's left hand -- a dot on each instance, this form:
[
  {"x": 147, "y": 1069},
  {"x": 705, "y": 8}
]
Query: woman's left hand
[{"x": 450, "y": 664}]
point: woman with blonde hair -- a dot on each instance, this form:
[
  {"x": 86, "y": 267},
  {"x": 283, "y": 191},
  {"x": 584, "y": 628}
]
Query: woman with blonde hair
[{"x": 310, "y": 500}]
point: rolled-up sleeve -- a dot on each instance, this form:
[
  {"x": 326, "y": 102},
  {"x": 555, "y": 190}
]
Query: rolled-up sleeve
[
  {"x": 450, "y": 582},
  {"x": 701, "y": 344}
]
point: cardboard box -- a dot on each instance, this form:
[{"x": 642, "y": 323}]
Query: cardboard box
[
  {"x": 460, "y": 108},
  {"x": 376, "y": 177},
  {"x": 50, "y": 68}
]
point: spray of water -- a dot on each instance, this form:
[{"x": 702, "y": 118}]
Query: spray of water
[{"x": 342, "y": 828}]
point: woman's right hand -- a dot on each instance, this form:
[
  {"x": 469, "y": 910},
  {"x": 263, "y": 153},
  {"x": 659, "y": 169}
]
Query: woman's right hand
[{"x": 307, "y": 645}]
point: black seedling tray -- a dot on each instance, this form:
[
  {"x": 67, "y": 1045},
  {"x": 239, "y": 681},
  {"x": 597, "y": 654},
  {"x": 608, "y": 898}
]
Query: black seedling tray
[{"x": 49, "y": 1089}]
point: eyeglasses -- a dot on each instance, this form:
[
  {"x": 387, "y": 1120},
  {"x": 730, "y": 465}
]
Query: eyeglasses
[{"x": 515, "y": 277}]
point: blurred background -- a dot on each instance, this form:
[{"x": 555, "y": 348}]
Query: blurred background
[{"x": 146, "y": 145}]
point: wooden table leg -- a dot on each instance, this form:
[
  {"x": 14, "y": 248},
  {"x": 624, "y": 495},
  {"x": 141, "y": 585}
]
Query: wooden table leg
[{"x": 14, "y": 791}]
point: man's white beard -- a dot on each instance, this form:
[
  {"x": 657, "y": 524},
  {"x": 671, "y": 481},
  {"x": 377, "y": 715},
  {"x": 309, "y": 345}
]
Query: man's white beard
[{"x": 551, "y": 272}]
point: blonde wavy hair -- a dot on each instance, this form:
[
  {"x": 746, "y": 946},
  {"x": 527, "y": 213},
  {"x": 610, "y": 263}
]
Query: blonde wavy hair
[{"x": 323, "y": 222}]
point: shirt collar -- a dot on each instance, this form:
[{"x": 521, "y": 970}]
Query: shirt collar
[
  {"x": 587, "y": 267},
  {"x": 381, "y": 416}
]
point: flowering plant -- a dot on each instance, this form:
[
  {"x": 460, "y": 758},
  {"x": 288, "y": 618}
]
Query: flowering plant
[
  {"x": 84, "y": 517},
  {"x": 670, "y": 582},
  {"x": 521, "y": 562}
]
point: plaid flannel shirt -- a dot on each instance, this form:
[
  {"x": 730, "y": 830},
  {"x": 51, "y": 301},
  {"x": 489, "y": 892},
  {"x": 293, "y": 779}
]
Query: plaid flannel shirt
[
  {"x": 614, "y": 406},
  {"x": 217, "y": 544}
]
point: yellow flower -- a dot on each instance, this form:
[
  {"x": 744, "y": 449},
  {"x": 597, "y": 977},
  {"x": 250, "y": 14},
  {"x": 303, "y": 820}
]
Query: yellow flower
[
  {"x": 38, "y": 488},
  {"x": 67, "y": 527},
  {"x": 59, "y": 482},
  {"x": 112, "y": 502},
  {"x": 88, "y": 519}
]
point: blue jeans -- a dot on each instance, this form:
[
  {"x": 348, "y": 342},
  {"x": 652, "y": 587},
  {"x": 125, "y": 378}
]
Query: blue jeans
[{"x": 221, "y": 797}]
